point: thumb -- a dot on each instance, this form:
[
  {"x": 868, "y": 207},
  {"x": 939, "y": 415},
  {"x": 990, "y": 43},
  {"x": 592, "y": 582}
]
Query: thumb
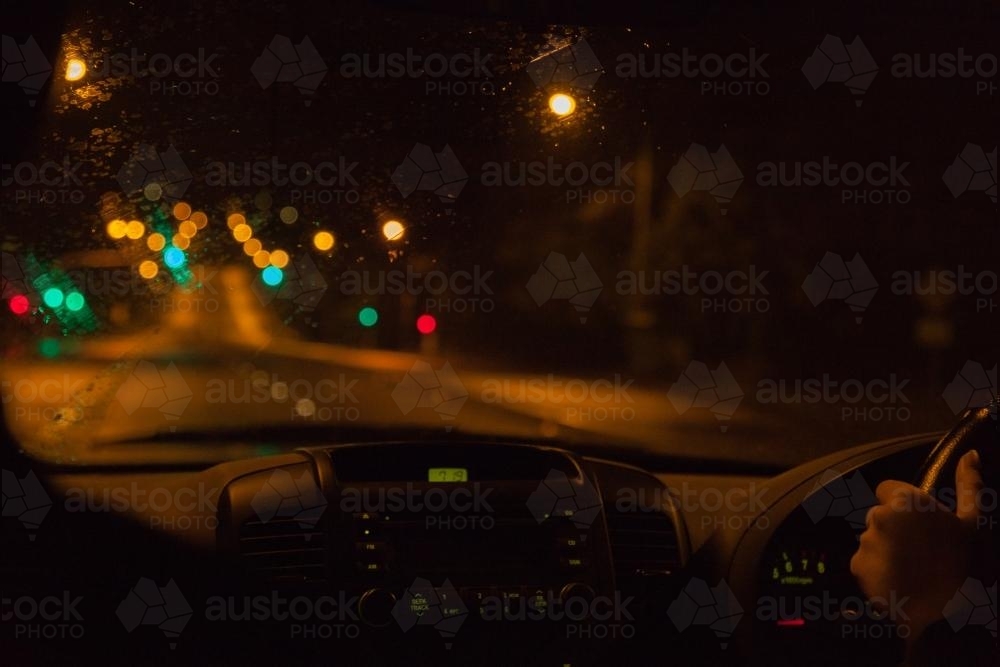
[{"x": 968, "y": 486}]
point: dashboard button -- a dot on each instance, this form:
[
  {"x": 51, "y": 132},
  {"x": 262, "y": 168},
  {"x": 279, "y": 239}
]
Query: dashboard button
[
  {"x": 574, "y": 563},
  {"x": 569, "y": 543},
  {"x": 375, "y": 607},
  {"x": 538, "y": 599},
  {"x": 513, "y": 600},
  {"x": 481, "y": 600},
  {"x": 370, "y": 548}
]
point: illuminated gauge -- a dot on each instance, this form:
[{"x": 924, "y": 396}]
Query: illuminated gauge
[{"x": 799, "y": 568}]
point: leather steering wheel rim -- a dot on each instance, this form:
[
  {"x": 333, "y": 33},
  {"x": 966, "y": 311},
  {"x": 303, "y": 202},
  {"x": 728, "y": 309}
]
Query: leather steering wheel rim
[{"x": 977, "y": 430}]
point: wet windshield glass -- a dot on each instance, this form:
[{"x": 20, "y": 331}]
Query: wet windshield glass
[{"x": 725, "y": 244}]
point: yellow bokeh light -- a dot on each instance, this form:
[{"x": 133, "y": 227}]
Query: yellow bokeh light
[
  {"x": 188, "y": 229},
  {"x": 199, "y": 219},
  {"x": 181, "y": 242},
  {"x": 148, "y": 270},
  {"x": 562, "y": 104},
  {"x": 279, "y": 259},
  {"x": 288, "y": 215},
  {"x": 235, "y": 219},
  {"x": 116, "y": 229},
  {"x": 156, "y": 242},
  {"x": 152, "y": 191},
  {"x": 323, "y": 241},
  {"x": 242, "y": 232},
  {"x": 262, "y": 259},
  {"x": 75, "y": 69},
  {"x": 252, "y": 247},
  {"x": 182, "y": 210},
  {"x": 135, "y": 230},
  {"x": 393, "y": 230}
]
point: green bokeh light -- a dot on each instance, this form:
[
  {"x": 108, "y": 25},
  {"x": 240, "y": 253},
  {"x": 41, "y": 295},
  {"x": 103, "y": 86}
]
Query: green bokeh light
[
  {"x": 368, "y": 316},
  {"x": 53, "y": 297},
  {"x": 75, "y": 301},
  {"x": 49, "y": 347}
]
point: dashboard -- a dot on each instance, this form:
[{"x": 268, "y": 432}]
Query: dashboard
[
  {"x": 470, "y": 552},
  {"x": 471, "y": 537}
]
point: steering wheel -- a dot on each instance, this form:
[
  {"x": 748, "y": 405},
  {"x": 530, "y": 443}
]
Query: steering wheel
[{"x": 977, "y": 430}]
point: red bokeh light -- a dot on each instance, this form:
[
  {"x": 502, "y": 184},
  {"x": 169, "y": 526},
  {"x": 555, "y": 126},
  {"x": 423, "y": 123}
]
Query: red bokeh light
[
  {"x": 426, "y": 324},
  {"x": 19, "y": 304}
]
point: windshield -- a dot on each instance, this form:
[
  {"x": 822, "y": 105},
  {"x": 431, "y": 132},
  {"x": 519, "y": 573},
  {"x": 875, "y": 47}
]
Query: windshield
[{"x": 736, "y": 242}]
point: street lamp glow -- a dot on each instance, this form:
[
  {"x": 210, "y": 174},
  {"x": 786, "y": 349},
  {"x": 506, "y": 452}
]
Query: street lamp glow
[
  {"x": 75, "y": 69},
  {"x": 148, "y": 270},
  {"x": 242, "y": 233},
  {"x": 562, "y": 104},
  {"x": 135, "y": 230},
  {"x": 117, "y": 228},
  {"x": 323, "y": 241},
  {"x": 393, "y": 230},
  {"x": 279, "y": 259},
  {"x": 156, "y": 242}
]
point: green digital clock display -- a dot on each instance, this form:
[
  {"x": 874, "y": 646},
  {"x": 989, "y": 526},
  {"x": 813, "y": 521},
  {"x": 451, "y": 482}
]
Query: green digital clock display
[{"x": 448, "y": 475}]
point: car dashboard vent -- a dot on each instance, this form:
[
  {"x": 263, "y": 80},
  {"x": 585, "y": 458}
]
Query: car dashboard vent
[
  {"x": 283, "y": 551},
  {"x": 643, "y": 544}
]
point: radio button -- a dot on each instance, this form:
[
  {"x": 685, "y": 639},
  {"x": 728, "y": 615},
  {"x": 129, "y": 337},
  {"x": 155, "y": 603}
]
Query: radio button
[
  {"x": 572, "y": 543},
  {"x": 574, "y": 563},
  {"x": 513, "y": 600}
]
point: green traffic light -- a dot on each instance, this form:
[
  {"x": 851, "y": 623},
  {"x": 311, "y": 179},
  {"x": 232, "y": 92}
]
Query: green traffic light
[
  {"x": 75, "y": 301},
  {"x": 53, "y": 297},
  {"x": 368, "y": 316}
]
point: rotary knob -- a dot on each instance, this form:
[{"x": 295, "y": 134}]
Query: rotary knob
[
  {"x": 578, "y": 591},
  {"x": 375, "y": 607}
]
